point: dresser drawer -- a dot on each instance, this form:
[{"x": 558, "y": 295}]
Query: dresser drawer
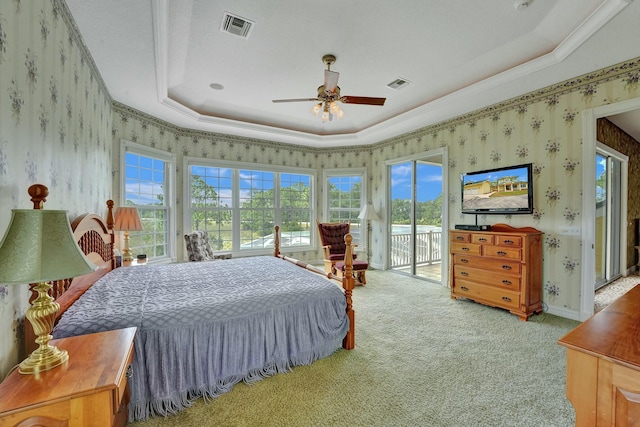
[
  {"x": 489, "y": 295},
  {"x": 509, "y": 241},
  {"x": 482, "y": 239},
  {"x": 466, "y": 248},
  {"x": 503, "y": 266},
  {"x": 505, "y": 281},
  {"x": 459, "y": 236},
  {"x": 502, "y": 252}
]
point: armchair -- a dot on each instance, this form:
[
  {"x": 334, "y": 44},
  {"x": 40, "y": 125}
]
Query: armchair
[{"x": 333, "y": 244}]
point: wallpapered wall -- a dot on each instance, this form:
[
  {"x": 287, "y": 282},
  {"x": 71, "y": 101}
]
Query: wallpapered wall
[
  {"x": 58, "y": 127},
  {"x": 55, "y": 129},
  {"x": 543, "y": 128}
]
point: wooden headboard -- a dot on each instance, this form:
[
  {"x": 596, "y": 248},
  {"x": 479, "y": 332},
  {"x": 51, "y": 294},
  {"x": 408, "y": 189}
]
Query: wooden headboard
[{"x": 96, "y": 240}]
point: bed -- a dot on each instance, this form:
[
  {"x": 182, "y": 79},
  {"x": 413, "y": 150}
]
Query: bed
[{"x": 197, "y": 337}]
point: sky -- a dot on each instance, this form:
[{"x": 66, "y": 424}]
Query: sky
[{"x": 428, "y": 180}]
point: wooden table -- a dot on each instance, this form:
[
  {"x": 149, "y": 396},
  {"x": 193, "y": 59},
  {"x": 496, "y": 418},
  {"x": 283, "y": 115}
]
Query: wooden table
[
  {"x": 91, "y": 389},
  {"x": 603, "y": 365}
]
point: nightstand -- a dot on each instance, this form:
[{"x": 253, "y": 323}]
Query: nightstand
[{"x": 91, "y": 389}]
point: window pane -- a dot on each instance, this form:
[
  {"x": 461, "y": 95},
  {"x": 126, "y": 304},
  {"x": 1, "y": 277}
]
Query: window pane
[
  {"x": 145, "y": 183},
  {"x": 345, "y": 201}
]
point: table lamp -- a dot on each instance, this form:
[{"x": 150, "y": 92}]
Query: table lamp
[
  {"x": 127, "y": 219},
  {"x": 368, "y": 213},
  {"x": 39, "y": 247}
]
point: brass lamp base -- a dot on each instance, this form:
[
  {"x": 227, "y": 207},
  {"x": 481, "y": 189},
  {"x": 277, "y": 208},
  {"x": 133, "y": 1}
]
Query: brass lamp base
[
  {"x": 42, "y": 315},
  {"x": 43, "y": 360}
]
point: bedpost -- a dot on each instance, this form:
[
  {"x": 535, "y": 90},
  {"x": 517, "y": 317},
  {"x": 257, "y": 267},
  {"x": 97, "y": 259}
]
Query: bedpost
[
  {"x": 110, "y": 228},
  {"x": 348, "y": 284},
  {"x": 276, "y": 242}
]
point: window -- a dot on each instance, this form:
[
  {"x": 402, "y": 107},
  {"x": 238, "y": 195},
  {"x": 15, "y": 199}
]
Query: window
[
  {"x": 148, "y": 185},
  {"x": 239, "y": 206},
  {"x": 345, "y": 198}
]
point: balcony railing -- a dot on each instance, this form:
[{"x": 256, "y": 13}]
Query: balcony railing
[{"x": 428, "y": 249}]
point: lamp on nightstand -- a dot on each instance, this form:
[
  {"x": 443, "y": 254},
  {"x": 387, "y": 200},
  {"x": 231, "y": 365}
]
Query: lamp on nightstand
[
  {"x": 39, "y": 247},
  {"x": 127, "y": 219},
  {"x": 368, "y": 214}
]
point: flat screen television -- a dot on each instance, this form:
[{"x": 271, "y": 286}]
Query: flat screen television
[{"x": 506, "y": 191}]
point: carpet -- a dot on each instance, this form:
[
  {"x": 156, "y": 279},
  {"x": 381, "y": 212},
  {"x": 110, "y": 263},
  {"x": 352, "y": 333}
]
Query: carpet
[{"x": 421, "y": 359}]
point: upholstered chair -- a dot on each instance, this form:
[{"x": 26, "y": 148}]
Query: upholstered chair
[
  {"x": 198, "y": 248},
  {"x": 333, "y": 244}
]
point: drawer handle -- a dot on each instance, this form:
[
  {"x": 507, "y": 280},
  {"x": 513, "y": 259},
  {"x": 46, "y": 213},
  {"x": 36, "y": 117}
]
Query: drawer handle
[
  {"x": 483, "y": 239},
  {"x": 501, "y": 253},
  {"x": 459, "y": 237},
  {"x": 129, "y": 373},
  {"x": 464, "y": 273},
  {"x": 506, "y": 267},
  {"x": 506, "y": 282},
  {"x": 508, "y": 242},
  {"x": 464, "y": 260},
  {"x": 465, "y": 249},
  {"x": 507, "y": 299},
  {"x": 464, "y": 288}
]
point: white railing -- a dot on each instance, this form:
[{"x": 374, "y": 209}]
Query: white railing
[{"x": 428, "y": 248}]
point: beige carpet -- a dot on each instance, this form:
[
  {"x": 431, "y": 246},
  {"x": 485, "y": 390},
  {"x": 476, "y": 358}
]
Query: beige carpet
[
  {"x": 421, "y": 359},
  {"x": 609, "y": 293}
]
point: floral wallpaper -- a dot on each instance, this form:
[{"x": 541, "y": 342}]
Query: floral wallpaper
[
  {"x": 543, "y": 128},
  {"x": 55, "y": 129},
  {"x": 59, "y": 127}
]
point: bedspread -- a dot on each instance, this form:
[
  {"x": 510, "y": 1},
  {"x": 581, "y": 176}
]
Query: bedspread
[{"x": 204, "y": 326}]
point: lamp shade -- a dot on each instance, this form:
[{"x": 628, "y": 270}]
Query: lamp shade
[
  {"x": 368, "y": 213},
  {"x": 38, "y": 247},
  {"x": 127, "y": 219}
]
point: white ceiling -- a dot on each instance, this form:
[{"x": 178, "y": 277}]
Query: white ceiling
[{"x": 161, "y": 56}]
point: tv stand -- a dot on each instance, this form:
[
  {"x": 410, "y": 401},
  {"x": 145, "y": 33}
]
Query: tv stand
[{"x": 501, "y": 268}]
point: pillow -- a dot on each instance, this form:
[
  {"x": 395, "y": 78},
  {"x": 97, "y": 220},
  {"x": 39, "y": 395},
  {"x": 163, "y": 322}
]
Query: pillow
[{"x": 198, "y": 248}]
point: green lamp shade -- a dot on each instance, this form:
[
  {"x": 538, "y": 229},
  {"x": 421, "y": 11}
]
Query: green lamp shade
[{"x": 38, "y": 247}]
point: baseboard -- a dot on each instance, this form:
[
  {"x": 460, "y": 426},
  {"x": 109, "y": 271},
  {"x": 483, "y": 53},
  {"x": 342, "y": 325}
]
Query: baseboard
[{"x": 563, "y": 312}]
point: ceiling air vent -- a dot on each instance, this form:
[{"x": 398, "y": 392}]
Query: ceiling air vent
[
  {"x": 399, "y": 83},
  {"x": 236, "y": 25}
]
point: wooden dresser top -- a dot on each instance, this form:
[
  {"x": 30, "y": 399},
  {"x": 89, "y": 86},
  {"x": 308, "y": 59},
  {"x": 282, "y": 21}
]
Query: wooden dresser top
[{"x": 613, "y": 333}]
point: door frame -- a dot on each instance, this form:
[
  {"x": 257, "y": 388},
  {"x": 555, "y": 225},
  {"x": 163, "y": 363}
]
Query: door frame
[
  {"x": 589, "y": 141},
  {"x": 444, "y": 153}
]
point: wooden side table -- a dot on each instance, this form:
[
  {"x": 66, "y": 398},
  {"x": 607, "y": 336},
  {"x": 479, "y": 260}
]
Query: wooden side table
[{"x": 91, "y": 389}]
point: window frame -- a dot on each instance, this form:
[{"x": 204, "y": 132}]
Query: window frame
[
  {"x": 236, "y": 167},
  {"x": 346, "y": 172},
  {"x": 169, "y": 190}
]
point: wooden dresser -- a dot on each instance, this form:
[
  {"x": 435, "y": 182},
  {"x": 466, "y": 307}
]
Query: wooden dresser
[
  {"x": 91, "y": 389},
  {"x": 603, "y": 365},
  {"x": 501, "y": 268}
]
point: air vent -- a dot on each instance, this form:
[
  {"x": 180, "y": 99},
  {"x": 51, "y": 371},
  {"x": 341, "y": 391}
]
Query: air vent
[
  {"x": 236, "y": 25},
  {"x": 399, "y": 83}
]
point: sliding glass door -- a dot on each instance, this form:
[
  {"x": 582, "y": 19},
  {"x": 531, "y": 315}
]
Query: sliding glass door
[
  {"x": 415, "y": 205},
  {"x": 609, "y": 202}
]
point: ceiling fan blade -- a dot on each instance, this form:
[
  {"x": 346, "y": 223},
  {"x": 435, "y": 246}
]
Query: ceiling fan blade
[
  {"x": 331, "y": 80},
  {"x": 295, "y": 100},
  {"x": 362, "y": 100}
]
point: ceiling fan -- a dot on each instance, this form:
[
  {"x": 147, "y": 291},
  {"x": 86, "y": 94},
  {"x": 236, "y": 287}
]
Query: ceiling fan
[{"x": 329, "y": 93}]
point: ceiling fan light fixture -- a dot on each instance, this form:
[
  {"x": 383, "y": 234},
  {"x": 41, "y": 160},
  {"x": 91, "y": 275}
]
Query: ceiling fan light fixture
[{"x": 317, "y": 108}]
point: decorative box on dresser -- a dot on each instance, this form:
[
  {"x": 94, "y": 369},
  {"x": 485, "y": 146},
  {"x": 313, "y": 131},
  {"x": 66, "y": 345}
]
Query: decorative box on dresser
[
  {"x": 501, "y": 268},
  {"x": 91, "y": 389},
  {"x": 603, "y": 365}
]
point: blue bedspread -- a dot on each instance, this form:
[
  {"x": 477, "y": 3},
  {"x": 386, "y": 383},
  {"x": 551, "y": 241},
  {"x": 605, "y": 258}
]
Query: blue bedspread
[{"x": 205, "y": 326}]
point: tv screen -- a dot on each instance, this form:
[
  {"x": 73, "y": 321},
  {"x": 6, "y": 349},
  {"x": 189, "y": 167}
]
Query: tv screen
[{"x": 506, "y": 190}]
